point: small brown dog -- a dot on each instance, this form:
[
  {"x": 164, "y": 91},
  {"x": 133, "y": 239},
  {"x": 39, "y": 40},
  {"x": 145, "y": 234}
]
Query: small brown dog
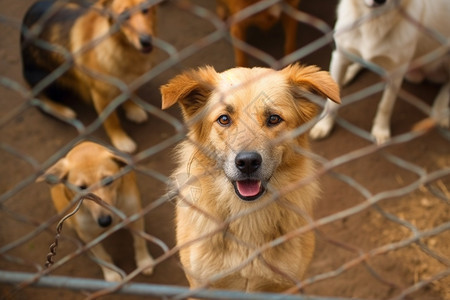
[
  {"x": 90, "y": 165},
  {"x": 240, "y": 174},
  {"x": 110, "y": 43},
  {"x": 264, "y": 20}
]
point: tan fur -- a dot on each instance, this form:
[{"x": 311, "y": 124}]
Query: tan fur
[
  {"x": 217, "y": 231},
  {"x": 100, "y": 57},
  {"x": 264, "y": 20},
  {"x": 85, "y": 166}
]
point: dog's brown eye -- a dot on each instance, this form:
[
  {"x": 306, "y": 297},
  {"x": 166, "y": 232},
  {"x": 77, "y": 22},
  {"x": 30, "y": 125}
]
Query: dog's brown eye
[
  {"x": 224, "y": 120},
  {"x": 274, "y": 120}
]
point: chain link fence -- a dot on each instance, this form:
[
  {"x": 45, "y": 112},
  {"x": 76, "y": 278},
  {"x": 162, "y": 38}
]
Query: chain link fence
[{"x": 382, "y": 223}]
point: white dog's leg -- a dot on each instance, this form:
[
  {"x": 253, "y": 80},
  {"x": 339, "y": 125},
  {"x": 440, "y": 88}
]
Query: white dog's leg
[
  {"x": 141, "y": 253},
  {"x": 440, "y": 110},
  {"x": 381, "y": 125},
  {"x": 351, "y": 73},
  {"x": 338, "y": 67}
]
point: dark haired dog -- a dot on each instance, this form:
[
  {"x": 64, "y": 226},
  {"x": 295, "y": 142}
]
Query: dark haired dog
[{"x": 97, "y": 47}]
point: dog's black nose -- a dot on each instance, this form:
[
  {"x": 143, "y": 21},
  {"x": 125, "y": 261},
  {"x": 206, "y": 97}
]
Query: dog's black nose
[
  {"x": 248, "y": 162},
  {"x": 104, "y": 221},
  {"x": 146, "y": 42},
  {"x": 379, "y": 2}
]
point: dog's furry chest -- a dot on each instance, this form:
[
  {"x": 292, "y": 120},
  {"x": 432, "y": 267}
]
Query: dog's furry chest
[{"x": 244, "y": 246}]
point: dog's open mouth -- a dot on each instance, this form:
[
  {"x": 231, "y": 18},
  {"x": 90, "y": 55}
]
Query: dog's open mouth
[{"x": 249, "y": 189}]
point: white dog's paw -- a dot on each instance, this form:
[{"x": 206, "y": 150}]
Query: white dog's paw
[
  {"x": 136, "y": 114},
  {"x": 147, "y": 264},
  {"x": 124, "y": 143},
  {"x": 322, "y": 129},
  {"x": 381, "y": 134},
  {"x": 111, "y": 275}
]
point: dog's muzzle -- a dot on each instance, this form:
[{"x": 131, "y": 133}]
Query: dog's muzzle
[
  {"x": 249, "y": 186},
  {"x": 146, "y": 43}
]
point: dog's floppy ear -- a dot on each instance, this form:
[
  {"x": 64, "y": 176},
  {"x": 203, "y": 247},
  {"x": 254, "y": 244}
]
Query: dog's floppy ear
[
  {"x": 312, "y": 79},
  {"x": 58, "y": 170},
  {"x": 191, "y": 89},
  {"x": 119, "y": 160}
]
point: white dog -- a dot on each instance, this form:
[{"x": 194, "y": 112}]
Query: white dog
[{"x": 392, "y": 34}]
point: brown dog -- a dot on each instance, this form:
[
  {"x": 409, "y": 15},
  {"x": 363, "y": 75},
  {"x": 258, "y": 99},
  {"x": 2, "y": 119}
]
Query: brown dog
[
  {"x": 110, "y": 43},
  {"x": 91, "y": 166},
  {"x": 264, "y": 20},
  {"x": 243, "y": 151}
]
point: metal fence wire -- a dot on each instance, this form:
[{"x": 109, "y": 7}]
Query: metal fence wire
[{"x": 382, "y": 223}]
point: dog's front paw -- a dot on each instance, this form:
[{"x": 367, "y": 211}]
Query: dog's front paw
[
  {"x": 124, "y": 143},
  {"x": 135, "y": 113},
  {"x": 111, "y": 275},
  {"x": 147, "y": 264},
  {"x": 381, "y": 134},
  {"x": 322, "y": 129}
]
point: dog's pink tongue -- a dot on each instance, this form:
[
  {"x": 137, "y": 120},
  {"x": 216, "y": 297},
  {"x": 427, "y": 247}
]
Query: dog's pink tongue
[{"x": 249, "y": 188}]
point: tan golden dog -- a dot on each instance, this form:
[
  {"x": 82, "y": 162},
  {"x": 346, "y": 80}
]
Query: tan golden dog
[
  {"x": 264, "y": 20},
  {"x": 91, "y": 166},
  {"x": 241, "y": 154},
  {"x": 110, "y": 43}
]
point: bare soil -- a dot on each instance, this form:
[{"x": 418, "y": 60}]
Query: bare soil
[{"x": 356, "y": 252}]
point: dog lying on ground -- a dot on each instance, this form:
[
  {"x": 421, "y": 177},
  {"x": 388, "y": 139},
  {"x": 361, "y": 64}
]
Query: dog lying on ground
[
  {"x": 90, "y": 165},
  {"x": 110, "y": 44},
  {"x": 393, "y": 41},
  {"x": 233, "y": 168},
  {"x": 264, "y": 20}
]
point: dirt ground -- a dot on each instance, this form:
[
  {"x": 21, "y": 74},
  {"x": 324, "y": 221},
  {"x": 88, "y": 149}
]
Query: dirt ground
[{"x": 356, "y": 253}]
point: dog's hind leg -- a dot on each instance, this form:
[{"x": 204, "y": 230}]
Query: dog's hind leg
[
  {"x": 338, "y": 68},
  {"x": 440, "y": 110},
  {"x": 290, "y": 30},
  {"x": 238, "y": 32}
]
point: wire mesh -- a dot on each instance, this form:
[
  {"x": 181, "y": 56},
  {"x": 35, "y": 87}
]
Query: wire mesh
[{"x": 382, "y": 222}]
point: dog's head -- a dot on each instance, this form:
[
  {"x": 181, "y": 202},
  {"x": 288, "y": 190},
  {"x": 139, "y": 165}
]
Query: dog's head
[
  {"x": 137, "y": 19},
  {"x": 242, "y": 117},
  {"x": 90, "y": 166}
]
